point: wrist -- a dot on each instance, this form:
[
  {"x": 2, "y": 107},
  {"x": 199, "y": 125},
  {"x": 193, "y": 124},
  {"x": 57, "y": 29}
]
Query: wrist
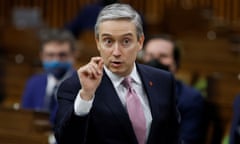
[{"x": 87, "y": 96}]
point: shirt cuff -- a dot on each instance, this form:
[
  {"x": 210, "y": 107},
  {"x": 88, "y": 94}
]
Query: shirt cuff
[{"x": 82, "y": 107}]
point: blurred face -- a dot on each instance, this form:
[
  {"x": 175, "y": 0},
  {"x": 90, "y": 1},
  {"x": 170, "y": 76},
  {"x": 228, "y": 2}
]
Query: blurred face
[
  {"x": 55, "y": 51},
  {"x": 161, "y": 50},
  {"x": 118, "y": 45}
]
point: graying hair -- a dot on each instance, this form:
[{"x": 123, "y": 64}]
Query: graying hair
[{"x": 119, "y": 11}]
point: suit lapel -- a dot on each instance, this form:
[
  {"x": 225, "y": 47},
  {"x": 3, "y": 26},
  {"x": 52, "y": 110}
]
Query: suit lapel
[
  {"x": 151, "y": 89},
  {"x": 149, "y": 86},
  {"x": 106, "y": 92}
]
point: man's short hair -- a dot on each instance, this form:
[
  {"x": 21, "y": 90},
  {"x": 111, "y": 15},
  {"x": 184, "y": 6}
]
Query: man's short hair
[
  {"x": 56, "y": 35},
  {"x": 119, "y": 11},
  {"x": 176, "y": 49}
]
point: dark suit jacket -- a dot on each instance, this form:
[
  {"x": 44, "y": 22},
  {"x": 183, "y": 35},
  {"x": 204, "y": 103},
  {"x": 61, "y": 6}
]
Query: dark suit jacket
[
  {"x": 34, "y": 95},
  {"x": 234, "y": 135},
  {"x": 108, "y": 121},
  {"x": 35, "y": 91},
  {"x": 191, "y": 106}
]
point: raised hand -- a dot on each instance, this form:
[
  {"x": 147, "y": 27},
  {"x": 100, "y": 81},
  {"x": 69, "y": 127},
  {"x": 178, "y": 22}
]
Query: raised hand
[{"x": 90, "y": 76}]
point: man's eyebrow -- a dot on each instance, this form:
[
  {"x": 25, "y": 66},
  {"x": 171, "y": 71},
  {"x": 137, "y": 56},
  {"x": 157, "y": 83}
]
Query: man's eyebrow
[
  {"x": 128, "y": 34},
  {"x": 106, "y": 34}
]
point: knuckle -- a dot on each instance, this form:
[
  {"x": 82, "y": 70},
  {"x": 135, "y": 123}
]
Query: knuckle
[{"x": 93, "y": 58}]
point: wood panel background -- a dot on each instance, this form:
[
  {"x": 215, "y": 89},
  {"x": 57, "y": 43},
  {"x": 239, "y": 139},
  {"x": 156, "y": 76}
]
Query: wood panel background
[
  {"x": 208, "y": 57},
  {"x": 57, "y": 12}
]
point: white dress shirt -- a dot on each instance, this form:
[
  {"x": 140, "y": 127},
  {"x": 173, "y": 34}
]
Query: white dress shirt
[
  {"x": 50, "y": 90},
  {"x": 52, "y": 87},
  {"x": 82, "y": 107},
  {"x": 51, "y": 83}
]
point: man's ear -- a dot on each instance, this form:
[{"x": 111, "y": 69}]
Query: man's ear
[
  {"x": 97, "y": 43},
  {"x": 140, "y": 42}
]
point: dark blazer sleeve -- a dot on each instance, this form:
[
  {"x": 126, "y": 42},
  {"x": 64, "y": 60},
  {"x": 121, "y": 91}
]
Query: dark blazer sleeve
[
  {"x": 69, "y": 128},
  {"x": 34, "y": 92},
  {"x": 192, "y": 125},
  {"x": 172, "y": 132},
  {"x": 234, "y": 137},
  {"x": 27, "y": 95},
  {"x": 176, "y": 118},
  {"x": 191, "y": 105}
]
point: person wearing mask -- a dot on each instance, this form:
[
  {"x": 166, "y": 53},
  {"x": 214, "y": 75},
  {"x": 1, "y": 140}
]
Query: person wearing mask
[
  {"x": 112, "y": 99},
  {"x": 57, "y": 50},
  {"x": 160, "y": 51}
]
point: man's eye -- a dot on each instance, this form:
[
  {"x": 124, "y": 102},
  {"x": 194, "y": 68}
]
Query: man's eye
[
  {"x": 50, "y": 54},
  {"x": 126, "y": 42},
  {"x": 107, "y": 41}
]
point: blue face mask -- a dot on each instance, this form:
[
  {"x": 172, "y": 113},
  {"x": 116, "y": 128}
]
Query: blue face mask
[{"x": 57, "y": 68}]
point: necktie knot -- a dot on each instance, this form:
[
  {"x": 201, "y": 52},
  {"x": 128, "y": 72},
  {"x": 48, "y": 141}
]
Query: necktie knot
[{"x": 127, "y": 82}]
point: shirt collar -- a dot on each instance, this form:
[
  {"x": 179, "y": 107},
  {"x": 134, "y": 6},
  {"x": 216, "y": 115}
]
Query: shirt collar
[
  {"x": 116, "y": 79},
  {"x": 52, "y": 79}
]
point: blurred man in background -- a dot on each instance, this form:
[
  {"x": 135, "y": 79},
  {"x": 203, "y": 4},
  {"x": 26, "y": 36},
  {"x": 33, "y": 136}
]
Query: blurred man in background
[
  {"x": 57, "y": 56},
  {"x": 87, "y": 17},
  {"x": 160, "y": 51}
]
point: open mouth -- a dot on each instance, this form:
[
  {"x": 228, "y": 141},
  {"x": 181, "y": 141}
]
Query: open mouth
[{"x": 116, "y": 63}]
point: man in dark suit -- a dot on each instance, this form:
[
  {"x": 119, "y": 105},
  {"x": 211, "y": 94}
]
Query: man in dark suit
[
  {"x": 112, "y": 99},
  {"x": 161, "y": 51},
  {"x": 57, "y": 56},
  {"x": 235, "y": 127}
]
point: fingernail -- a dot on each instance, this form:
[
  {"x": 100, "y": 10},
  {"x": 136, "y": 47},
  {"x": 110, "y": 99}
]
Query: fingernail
[{"x": 150, "y": 83}]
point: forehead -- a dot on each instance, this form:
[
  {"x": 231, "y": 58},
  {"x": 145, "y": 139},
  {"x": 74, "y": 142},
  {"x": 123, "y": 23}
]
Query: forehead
[
  {"x": 159, "y": 46},
  {"x": 56, "y": 46},
  {"x": 117, "y": 28}
]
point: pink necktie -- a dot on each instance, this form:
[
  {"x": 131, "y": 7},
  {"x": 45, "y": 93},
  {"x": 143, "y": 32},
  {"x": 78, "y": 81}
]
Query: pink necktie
[{"x": 135, "y": 112}]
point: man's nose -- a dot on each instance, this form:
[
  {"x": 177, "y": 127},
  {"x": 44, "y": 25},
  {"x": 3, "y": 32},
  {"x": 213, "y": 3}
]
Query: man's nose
[
  {"x": 116, "y": 49},
  {"x": 56, "y": 57}
]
